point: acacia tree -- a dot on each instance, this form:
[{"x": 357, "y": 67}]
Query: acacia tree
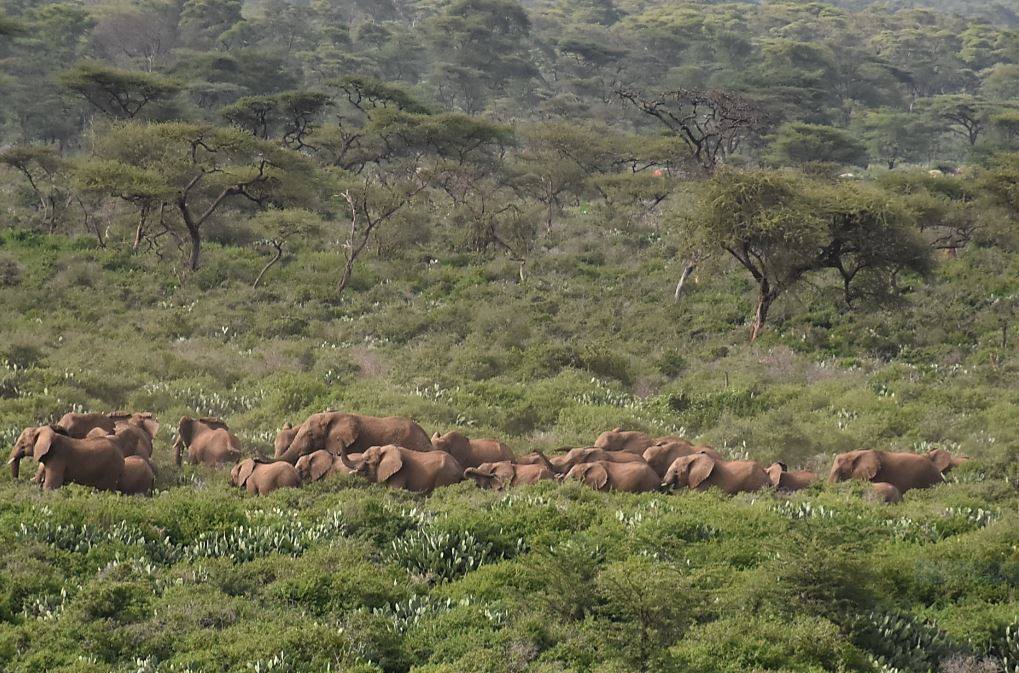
[
  {"x": 280, "y": 226},
  {"x": 45, "y": 172},
  {"x": 142, "y": 188},
  {"x": 712, "y": 123},
  {"x": 962, "y": 114},
  {"x": 871, "y": 238},
  {"x": 203, "y": 168},
  {"x": 118, "y": 93},
  {"x": 798, "y": 143},
  {"x": 372, "y": 201},
  {"x": 947, "y": 209},
  {"x": 766, "y": 222},
  {"x": 558, "y": 163},
  {"x": 782, "y": 227},
  {"x": 894, "y": 137},
  {"x": 290, "y": 116}
]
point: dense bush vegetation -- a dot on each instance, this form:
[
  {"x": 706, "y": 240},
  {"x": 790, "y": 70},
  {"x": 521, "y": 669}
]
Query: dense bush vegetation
[{"x": 476, "y": 213}]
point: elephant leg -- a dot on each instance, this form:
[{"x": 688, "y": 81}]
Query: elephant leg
[{"x": 53, "y": 480}]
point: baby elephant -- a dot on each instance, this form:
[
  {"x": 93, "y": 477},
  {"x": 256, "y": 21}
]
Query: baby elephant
[
  {"x": 472, "y": 452},
  {"x": 499, "y": 476},
  {"x": 321, "y": 464},
  {"x": 701, "y": 471},
  {"x": 208, "y": 441},
  {"x": 664, "y": 453},
  {"x": 137, "y": 478},
  {"x": 784, "y": 480},
  {"x": 629, "y": 441},
  {"x": 262, "y": 477},
  {"x": 591, "y": 454},
  {"x": 606, "y": 476},
  {"x": 399, "y": 467},
  {"x": 885, "y": 492}
]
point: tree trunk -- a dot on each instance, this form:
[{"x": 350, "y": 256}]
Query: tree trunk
[
  {"x": 348, "y": 270},
  {"x": 764, "y": 301},
  {"x": 139, "y": 232},
  {"x": 194, "y": 232},
  {"x": 687, "y": 272},
  {"x": 275, "y": 258},
  {"x": 196, "y": 249}
]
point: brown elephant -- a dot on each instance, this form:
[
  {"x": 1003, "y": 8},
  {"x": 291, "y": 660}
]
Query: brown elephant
[
  {"x": 502, "y": 475},
  {"x": 905, "y": 471},
  {"x": 885, "y": 492},
  {"x": 472, "y": 452},
  {"x": 590, "y": 454},
  {"x": 399, "y": 467},
  {"x": 130, "y": 439},
  {"x": 142, "y": 419},
  {"x": 136, "y": 432},
  {"x": 208, "y": 442},
  {"x": 262, "y": 477},
  {"x": 321, "y": 464},
  {"x": 137, "y": 477},
  {"x": 664, "y": 453},
  {"x": 95, "y": 462},
  {"x": 701, "y": 472},
  {"x": 284, "y": 438},
  {"x": 356, "y": 433},
  {"x": 78, "y": 425},
  {"x": 603, "y": 475},
  {"x": 629, "y": 441},
  {"x": 784, "y": 480},
  {"x": 945, "y": 461}
]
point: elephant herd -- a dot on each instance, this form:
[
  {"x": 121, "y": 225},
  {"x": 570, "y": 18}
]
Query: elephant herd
[{"x": 113, "y": 452}]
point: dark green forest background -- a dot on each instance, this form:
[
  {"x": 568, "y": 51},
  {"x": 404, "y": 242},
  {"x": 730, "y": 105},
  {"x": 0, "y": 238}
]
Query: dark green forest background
[{"x": 533, "y": 221}]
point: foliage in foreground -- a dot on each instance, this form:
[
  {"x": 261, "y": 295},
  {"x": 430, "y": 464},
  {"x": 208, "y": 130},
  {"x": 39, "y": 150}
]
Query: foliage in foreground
[{"x": 345, "y": 576}]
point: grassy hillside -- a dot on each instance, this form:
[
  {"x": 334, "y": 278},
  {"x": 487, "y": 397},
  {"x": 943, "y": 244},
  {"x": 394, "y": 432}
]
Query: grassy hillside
[{"x": 342, "y": 576}]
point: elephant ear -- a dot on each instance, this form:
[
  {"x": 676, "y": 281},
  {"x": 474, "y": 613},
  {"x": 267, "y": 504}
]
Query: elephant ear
[
  {"x": 866, "y": 465},
  {"x": 150, "y": 426},
  {"x": 596, "y": 475},
  {"x": 321, "y": 463},
  {"x": 345, "y": 428},
  {"x": 775, "y": 473},
  {"x": 701, "y": 468},
  {"x": 43, "y": 443},
  {"x": 186, "y": 430},
  {"x": 390, "y": 464},
  {"x": 246, "y": 469},
  {"x": 942, "y": 459},
  {"x": 505, "y": 473}
]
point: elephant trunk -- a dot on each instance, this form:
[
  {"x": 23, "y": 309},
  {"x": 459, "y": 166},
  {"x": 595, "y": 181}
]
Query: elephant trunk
[
  {"x": 545, "y": 460},
  {"x": 347, "y": 462},
  {"x": 15, "y": 463},
  {"x": 178, "y": 452},
  {"x": 289, "y": 456}
]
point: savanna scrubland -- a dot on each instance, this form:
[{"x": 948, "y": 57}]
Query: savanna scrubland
[{"x": 476, "y": 214}]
